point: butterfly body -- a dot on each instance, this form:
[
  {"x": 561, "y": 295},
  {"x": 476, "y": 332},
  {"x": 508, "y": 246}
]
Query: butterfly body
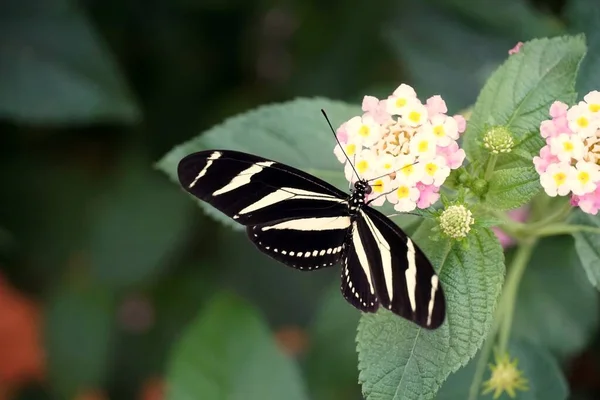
[{"x": 308, "y": 224}]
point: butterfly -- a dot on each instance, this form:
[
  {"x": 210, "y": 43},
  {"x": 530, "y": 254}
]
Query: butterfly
[{"x": 308, "y": 224}]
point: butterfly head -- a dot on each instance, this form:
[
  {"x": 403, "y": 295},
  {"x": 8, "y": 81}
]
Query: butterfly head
[{"x": 362, "y": 187}]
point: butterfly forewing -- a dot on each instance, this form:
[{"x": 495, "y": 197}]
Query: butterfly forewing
[
  {"x": 404, "y": 279},
  {"x": 254, "y": 190}
]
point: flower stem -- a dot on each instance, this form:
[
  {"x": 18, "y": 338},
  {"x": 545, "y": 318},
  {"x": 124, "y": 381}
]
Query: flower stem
[
  {"x": 565, "y": 229},
  {"x": 558, "y": 215},
  {"x": 509, "y": 294},
  {"x": 491, "y": 164}
]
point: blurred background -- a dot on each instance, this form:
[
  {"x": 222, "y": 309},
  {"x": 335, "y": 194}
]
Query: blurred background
[{"x": 104, "y": 262}]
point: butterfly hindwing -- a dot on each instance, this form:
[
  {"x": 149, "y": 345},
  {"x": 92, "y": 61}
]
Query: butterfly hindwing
[
  {"x": 358, "y": 287},
  {"x": 253, "y": 190},
  {"x": 308, "y": 243},
  {"x": 404, "y": 279}
]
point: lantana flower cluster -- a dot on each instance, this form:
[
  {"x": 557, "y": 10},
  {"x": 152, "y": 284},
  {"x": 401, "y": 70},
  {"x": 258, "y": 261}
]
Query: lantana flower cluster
[
  {"x": 406, "y": 149},
  {"x": 569, "y": 163}
]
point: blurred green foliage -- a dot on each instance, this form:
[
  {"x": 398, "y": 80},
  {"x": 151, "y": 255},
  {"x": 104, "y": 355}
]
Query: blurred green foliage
[{"x": 122, "y": 264}]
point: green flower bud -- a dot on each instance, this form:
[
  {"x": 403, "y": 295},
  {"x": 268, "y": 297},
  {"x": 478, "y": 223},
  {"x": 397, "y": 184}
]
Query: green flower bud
[
  {"x": 456, "y": 221},
  {"x": 498, "y": 140},
  {"x": 479, "y": 187}
]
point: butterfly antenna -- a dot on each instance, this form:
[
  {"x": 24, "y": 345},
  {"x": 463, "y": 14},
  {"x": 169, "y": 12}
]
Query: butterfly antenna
[{"x": 338, "y": 142}]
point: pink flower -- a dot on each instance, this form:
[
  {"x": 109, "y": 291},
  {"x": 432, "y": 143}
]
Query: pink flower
[
  {"x": 548, "y": 129},
  {"x": 519, "y": 215},
  {"x": 461, "y": 122},
  {"x": 370, "y": 104},
  {"x": 558, "y": 109},
  {"x": 375, "y": 108},
  {"x": 429, "y": 194},
  {"x": 453, "y": 154},
  {"x": 515, "y": 49},
  {"x": 545, "y": 158},
  {"x": 562, "y": 124},
  {"x": 589, "y": 203},
  {"x": 436, "y": 105}
]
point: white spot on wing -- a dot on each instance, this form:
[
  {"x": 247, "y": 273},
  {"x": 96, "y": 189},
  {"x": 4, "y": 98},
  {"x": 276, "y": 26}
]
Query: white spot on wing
[
  {"x": 312, "y": 224},
  {"x": 209, "y": 162},
  {"x": 286, "y": 194},
  {"x": 434, "y": 287},
  {"x": 411, "y": 273},
  {"x": 243, "y": 178}
]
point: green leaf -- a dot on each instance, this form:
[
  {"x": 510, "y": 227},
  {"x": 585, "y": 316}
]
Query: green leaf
[
  {"x": 136, "y": 225},
  {"x": 229, "y": 353},
  {"x": 331, "y": 360},
  {"x": 54, "y": 69},
  {"x": 553, "y": 286},
  {"x": 78, "y": 332},
  {"x": 519, "y": 93},
  {"x": 513, "y": 187},
  {"x": 584, "y": 16},
  {"x": 293, "y": 133},
  {"x": 397, "y": 359},
  {"x": 587, "y": 247},
  {"x": 544, "y": 378}
]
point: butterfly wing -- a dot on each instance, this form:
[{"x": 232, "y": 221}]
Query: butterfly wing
[
  {"x": 292, "y": 216},
  {"x": 390, "y": 268}
]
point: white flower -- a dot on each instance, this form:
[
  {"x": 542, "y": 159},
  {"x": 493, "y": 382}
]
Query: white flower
[
  {"x": 593, "y": 102},
  {"x": 586, "y": 177},
  {"x": 380, "y": 187},
  {"x": 397, "y": 103},
  {"x": 407, "y": 171},
  {"x": 415, "y": 114},
  {"x": 558, "y": 179},
  {"x": 435, "y": 171},
  {"x": 366, "y": 161},
  {"x": 404, "y": 197},
  {"x": 350, "y": 149},
  {"x": 566, "y": 147},
  {"x": 580, "y": 120},
  {"x": 444, "y": 128},
  {"x": 363, "y": 131},
  {"x": 423, "y": 145}
]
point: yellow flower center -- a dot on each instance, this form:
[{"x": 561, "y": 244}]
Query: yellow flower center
[
  {"x": 583, "y": 177},
  {"x": 439, "y": 131},
  {"x": 594, "y": 107},
  {"x": 362, "y": 166},
  {"x": 400, "y": 102},
  {"x": 378, "y": 186},
  {"x": 583, "y": 122},
  {"x": 431, "y": 168},
  {"x": 423, "y": 146},
  {"x": 560, "y": 178},
  {"x": 387, "y": 166},
  {"x": 403, "y": 192},
  {"x": 350, "y": 149},
  {"x": 408, "y": 170},
  {"x": 568, "y": 146},
  {"x": 414, "y": 116},
  {"x": 364, "y": 131}
]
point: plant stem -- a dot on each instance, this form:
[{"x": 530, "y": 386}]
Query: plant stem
[
  {"x": 509, "y": 294},
  {"x": 558, "y": 215},
  {"x": 503, "y": 315},
  {"x": 489, "y": 170},
  {"x": 565, "y": 229}
]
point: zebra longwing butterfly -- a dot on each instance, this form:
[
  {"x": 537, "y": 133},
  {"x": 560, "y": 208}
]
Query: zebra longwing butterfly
[{"x": 308, "y": 224}]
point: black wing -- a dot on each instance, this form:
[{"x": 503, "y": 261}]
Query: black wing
[
  {"x": 390, "y": 268},
  {"x": 290, "y": 215}
]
